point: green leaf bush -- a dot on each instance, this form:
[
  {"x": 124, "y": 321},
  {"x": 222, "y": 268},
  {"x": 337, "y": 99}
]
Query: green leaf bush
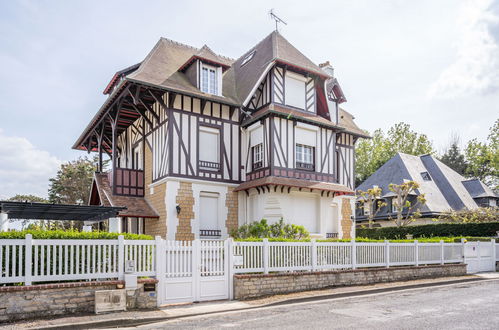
[
  {"x": 486, "y": 229},
  {"x": 69, "y": 234},
  {"x": 278, "y": 230}
]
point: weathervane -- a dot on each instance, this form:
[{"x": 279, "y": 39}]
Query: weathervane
[{"x": 276, "y": 19}]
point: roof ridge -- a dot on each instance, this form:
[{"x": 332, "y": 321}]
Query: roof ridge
[
  {"x": 205, "y": 46},
  {"x": 179, "y": 43}
]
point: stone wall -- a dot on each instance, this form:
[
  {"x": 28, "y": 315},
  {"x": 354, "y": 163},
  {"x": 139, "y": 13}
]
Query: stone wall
[
  {"x": 154, "y": 227},
  {"x": 346, "y": 220},
  {"x": 185, "y": 199},
  {"x": 47, "y": 300},
  {"x": 253, "y": 286},
  {"x": 231, "y": 201}
]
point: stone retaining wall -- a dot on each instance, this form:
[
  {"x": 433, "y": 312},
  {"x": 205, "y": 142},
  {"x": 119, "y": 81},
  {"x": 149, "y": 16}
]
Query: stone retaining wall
[
  {"x": 258, "y": 285},
  {"x": 35, "y": 301}
]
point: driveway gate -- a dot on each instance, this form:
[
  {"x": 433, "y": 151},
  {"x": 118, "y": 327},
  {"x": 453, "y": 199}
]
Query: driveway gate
[
  {"x": 480, "y": 257},
  {"x": 194, "y": 271}
]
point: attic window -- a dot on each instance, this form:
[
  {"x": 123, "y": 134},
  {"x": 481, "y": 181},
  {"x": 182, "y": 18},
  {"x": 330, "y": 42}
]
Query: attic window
[
  {"x": 426, "y": 176},
  {"x": 248, "y": 58}
]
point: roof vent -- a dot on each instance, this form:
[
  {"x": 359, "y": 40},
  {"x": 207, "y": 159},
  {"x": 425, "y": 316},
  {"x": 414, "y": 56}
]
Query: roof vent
[{"x": 248, "y": 57}]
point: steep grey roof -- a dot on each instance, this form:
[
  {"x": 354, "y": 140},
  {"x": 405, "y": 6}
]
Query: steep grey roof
[
  {"x": 447, "y": 190},
  {"x": 477, "y": 189}
]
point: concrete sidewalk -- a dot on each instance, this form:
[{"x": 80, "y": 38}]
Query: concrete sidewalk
[{"x": 134, "y": 318}]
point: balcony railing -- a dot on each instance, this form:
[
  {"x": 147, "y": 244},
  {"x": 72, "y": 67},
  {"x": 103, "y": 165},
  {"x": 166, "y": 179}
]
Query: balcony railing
[
  {"x": 127, "y": 182},
  {"x": 209, "y": 166},
  {"x": 331, "y": 235},
  {"x": 210, "y": 233}
]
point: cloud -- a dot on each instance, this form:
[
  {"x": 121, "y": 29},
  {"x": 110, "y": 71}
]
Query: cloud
[
  {"x": 476, "y": 68},
  {"x": 24, "y": 169}
]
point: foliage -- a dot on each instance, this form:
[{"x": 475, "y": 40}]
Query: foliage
[
  {"x": 69, "y": 234},
  {"x": 372, "y": 200},
  {"x": 370, "y": 240},
  {"x": 483, "y": 214},
  {"x": 487, "y": 229},
  {"x": 402, "y": 204},
  {"x": 454, "y": 158},
  {"x": 483, "y": 158},
  {"x": 73, "y": 181},
  {"x": 371, "y": 154},
  {"x": 261, "y": 229}
]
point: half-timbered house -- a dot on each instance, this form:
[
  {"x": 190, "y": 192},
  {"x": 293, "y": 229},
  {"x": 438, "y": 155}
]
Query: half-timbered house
[{"x": 201, "y": 143}]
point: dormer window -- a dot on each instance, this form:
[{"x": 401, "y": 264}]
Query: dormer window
[
  {"x": 209, "y": 79},
  {"x": 248, "y": 58}
]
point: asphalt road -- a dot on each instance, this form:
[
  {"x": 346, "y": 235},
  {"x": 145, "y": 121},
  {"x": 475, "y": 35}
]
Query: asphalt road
[{"x": 473, "y": 305}]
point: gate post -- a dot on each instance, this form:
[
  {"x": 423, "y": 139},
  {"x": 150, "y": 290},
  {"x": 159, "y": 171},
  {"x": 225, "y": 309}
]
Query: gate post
[
  {"x": 494, "y": 253},
  {"x": 442, "y": 256},
  {"x": 313, "y": 246},
  {"x": 229, "y": 256},
  {"x": 160, "y": 269},
  {"x": 265, "y": 255},
  {"x": 478, "y": 256},
  {"x": 354, "y": 253},
  {"x": 196, "y": 268},
  {"x": 387, "y": 253},
  {"x": 416, "y": 252}
]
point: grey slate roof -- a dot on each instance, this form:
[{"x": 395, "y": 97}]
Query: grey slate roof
[
  {"x": 447, "y": 190},
  {"x": 478, "y": 189}
]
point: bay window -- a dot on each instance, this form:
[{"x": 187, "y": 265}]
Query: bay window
[
  {"x": 305, "y": 157},
  {"x": 209, "y": 148},
  {"x": 257, "y": 155}
]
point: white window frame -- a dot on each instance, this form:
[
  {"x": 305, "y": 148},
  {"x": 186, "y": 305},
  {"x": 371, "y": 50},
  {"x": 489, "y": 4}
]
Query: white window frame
[
  {"x": 216, "y": 148},
  {"x": 257, "y": 155},
  {"x": 304, "y": 157},
  {"x": 212, "y": 87},
  {"x": 289, "y": 79}
]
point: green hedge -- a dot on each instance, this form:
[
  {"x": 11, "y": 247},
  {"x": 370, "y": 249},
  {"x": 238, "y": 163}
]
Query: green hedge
[
  {"x": 371, "y": 240},
  {"x": 486, "y": 229},
  {"x": 68, "y": 234}
]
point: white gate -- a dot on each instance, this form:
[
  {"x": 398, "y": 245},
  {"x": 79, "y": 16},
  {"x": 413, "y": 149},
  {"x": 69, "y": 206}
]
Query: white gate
[
  {"x": 194, "y": 271},
  {"x": 479, "y": 257}
]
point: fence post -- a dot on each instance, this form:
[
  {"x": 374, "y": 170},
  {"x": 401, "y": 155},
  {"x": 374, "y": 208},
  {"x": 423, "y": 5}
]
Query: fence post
[
  {"x": 196, "y": 267},
  {"x": 121, "y": 257},
  {"x": 387, "y": 253},
  {"x": 494, "y": 252},
  {"x": 160, "y": 268},
  {"x": 230, "y": 270},
  {"x": 313, "y": 246},
  {"x": 478, "y": 256},
  {"x": 442, "y": 255},
  {"x": 416, "y": 253},
  {"x": 354, "y": 254},
  {"x": 28, "y": 262},
  {"x": 265, "y": 256}
]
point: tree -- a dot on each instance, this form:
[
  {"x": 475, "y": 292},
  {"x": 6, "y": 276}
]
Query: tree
[
  {"x": 483, "y": 158},
  {"x": 371, "y": 154},
  {"x": 372, "y": 200},
  {"x": 73, "y": 181},
  {"x": 402, "y": 204},
  {"x": 453, "y": 157}
]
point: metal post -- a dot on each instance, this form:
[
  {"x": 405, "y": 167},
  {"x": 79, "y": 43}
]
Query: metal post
[
  {"x": 387, "y": 253},
  {"x": 265, "y": 256},
  {"x": 121, "y": 257},
  {"x": 28, "y": 262},
  {"x": 313, "y": 246}
]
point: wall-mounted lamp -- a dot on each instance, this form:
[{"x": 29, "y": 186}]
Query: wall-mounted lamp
[{"x": 178, "y": 209}]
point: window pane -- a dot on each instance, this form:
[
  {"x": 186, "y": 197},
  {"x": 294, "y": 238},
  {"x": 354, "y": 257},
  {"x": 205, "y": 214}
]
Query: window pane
[
  {"x": 213, "y": 82},
  {"x": 204, "y": 80}
]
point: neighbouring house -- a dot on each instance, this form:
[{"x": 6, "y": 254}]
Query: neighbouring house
[
  {"x": 201, "y": 143},
  {"x": 444, "y": 189}
]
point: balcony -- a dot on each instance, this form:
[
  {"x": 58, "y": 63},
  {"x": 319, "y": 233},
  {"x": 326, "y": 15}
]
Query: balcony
[{"x": 128, "y": 182}]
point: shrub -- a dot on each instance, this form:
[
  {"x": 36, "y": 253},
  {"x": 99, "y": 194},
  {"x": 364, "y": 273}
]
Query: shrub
[
  {"x": 482, "y": 214},
  {"x": 261, "y": 229},
  {"x": 486, "y": 229},
  {"x": 68, "y": 234}
]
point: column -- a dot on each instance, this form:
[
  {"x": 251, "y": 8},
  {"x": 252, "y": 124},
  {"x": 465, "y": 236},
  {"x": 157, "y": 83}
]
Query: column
[
  {"x": 115, "y": 225},
  {"x": 4, "y": 221}
]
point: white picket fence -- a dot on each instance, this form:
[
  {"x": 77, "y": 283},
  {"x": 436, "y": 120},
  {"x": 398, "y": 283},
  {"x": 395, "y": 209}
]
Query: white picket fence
[
  {"x": 268, "y": 256},
  {"x": 42, "y": 260},
  {"x": 38, "y": 260}
]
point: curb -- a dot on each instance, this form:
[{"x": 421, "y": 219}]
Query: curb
[{"x": 132, "y": 322}]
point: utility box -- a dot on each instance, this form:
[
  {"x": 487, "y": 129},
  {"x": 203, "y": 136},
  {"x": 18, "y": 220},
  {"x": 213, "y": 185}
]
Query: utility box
[{"x": 130, "y": 281}]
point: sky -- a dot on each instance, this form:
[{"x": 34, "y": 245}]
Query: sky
[{"x": 432, "y": 64}]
